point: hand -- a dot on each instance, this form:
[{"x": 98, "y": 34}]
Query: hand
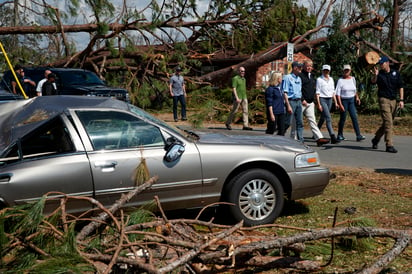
[
  {"x": 375, "y": 70},
  {"x": 401, "y": 104}
]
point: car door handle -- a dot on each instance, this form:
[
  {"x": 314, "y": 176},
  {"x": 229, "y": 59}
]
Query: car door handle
[
  {"x": 106, "y": 166},
  {"x": 5, "y": 177}
]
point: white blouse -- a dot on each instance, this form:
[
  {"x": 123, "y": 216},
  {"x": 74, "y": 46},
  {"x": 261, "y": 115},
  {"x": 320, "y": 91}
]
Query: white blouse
[
  {"x": 346, "y": 88},
  {"x": 325, "y": 87}
]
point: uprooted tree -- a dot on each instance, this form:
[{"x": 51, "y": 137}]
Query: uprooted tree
[
  {"x": 139, "y": 46},
  {"x": 114, "y": 241}
]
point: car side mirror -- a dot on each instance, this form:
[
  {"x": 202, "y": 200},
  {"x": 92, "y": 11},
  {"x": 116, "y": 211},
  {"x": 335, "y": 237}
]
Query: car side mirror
[{"x": 174, "y": 152}]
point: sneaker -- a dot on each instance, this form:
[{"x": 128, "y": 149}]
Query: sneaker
[
  {"x": 374, "y": 143},
  {"x": 184, "y": 119},
  {"x": 322, "y": 141},
  {"x": 341, "y": 138},
  {"x": 360, "y": 138},
  {"x": 391, "y": 149},
  {"x": 228, "y": 127},
  {"x": 176, "y": 120},
  {"x": 247, "y": 128}
]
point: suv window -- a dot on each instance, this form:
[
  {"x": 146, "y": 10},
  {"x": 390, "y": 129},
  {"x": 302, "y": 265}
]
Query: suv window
[
  {"x": 117, "y": 130},
  {"x": 69, "y": 78},
  {"x": 49, "y": 139}
]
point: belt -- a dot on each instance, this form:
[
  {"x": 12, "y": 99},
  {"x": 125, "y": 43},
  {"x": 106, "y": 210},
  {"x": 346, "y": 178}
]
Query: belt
[{"x": 295, "y": 99}]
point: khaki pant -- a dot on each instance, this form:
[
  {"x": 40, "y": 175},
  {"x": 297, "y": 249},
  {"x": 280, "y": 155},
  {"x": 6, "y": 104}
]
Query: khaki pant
[
  {"x": 388, "y": 111},
  {"x": 245, "y": 112}
]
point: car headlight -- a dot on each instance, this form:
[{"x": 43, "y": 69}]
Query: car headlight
[{"x": 307, "y": 160}]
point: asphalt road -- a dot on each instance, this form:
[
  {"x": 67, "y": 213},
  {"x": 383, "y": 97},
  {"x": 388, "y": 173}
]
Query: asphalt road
[{"x": 351, "y": 153}]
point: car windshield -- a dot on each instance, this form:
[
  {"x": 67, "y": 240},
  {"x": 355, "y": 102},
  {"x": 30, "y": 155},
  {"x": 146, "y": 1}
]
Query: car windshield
[{"x": 83, "y": 77}]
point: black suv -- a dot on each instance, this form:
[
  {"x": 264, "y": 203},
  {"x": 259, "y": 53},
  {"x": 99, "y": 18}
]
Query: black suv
[{"x": 70, "y": 81}]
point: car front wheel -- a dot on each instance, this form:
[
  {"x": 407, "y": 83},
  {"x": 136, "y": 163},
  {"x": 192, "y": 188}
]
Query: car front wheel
[{"x": 257, "y": 195}]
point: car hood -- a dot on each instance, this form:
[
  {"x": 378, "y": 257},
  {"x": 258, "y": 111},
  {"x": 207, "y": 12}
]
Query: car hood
[
  {"x": 275, "y": 142},
  {"x": 22, "y": 116}
]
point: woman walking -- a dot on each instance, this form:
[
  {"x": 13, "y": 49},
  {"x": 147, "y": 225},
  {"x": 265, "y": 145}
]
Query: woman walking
[
  {"x": 325, "y": 96},
  {"x": 276, "y": 101},
  {"x": 348, "y": 98}
]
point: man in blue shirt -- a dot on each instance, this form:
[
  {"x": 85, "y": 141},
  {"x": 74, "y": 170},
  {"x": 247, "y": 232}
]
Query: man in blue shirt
[{"x": 292, "y": 86}]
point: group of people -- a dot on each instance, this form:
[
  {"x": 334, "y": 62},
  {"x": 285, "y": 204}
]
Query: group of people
[
  {"x": 291, "y": 97},
  {"x": 46, "y": 86}
]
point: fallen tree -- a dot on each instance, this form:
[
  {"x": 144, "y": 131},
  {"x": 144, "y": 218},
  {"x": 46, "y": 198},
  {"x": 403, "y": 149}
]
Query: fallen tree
[{"x": 111, "y": 241}]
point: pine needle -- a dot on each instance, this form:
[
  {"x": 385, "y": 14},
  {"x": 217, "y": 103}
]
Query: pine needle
[{"x": 141, "y": 173}]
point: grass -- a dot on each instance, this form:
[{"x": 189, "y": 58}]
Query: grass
[{"x": 381, "y": 200}]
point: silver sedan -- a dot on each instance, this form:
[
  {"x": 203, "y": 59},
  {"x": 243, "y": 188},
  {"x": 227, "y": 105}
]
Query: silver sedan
[{"x": 90, "y": 146}]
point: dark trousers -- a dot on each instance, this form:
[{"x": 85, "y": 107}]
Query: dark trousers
[
  {"x": 182, "y": 100},
  {"x": 278, "y": 124}
]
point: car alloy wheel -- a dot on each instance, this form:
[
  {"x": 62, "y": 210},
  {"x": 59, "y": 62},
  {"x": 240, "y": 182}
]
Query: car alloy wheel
[{"x": 257, "y": 195}]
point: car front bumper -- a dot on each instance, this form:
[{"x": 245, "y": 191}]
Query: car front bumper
[{"x": 308, "y": 182}]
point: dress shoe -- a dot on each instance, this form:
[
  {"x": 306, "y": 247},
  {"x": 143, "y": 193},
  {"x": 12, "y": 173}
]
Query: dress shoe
[
  {"x": 247, "y": 128},
  {"x": 391, "y": 149},
  {"x": 322, "y": 141},
  {"x": 375, "y": 143},
  {"x": 334, "y": 140},
  {"x": 341, "y": 138},
  {"x": 228, "y": 127},
  {"x": 360, "y": 138}
]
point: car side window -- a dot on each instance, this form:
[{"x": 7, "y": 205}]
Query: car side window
[
  {"x": 50, "y": 138},
  {"x": 117, "y": 130}
]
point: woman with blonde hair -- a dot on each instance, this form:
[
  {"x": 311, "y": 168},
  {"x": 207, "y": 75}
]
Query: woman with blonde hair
[{"x": 276, "y": 102}]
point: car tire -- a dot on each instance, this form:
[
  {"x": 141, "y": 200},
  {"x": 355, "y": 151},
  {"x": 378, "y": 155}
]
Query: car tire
[{"x": 257, "y": 195}]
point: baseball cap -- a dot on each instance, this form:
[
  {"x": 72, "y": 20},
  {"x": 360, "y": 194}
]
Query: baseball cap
[
  {"x": 178, "y": 68},
  {"x": 346, "y": 67},
  {"x": 383, "y": 59},
  {"x": 326, "y": 67},
  {"x": 297, "y": 64}
]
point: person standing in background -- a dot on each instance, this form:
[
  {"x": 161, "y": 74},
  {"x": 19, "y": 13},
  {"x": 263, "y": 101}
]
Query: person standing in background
[
  {"x": 25, "y": 83},
  {"x": 292, "y": 86},
  {"x": 177, "y": 90},
  {"x": 325, "y": 96},
  {"x": 389, "y": 83},
  {"x": 347, "y": 98},
  {"x": 239, "y": 99},
  {"x": 42, "y": 81},
  {"x": 276, "y": 102},
  {"x": 48, "y": 88}
]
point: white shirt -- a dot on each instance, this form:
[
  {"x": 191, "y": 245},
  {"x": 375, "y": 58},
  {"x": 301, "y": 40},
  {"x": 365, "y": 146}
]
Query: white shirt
[
  {"x": 346, "y": 88},
  {"x": 325, "y": 87}
]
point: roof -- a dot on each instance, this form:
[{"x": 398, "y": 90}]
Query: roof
[{"x": 20, "y": 117}]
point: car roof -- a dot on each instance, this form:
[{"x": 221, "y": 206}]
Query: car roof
[{"x": 20, "y": 117}]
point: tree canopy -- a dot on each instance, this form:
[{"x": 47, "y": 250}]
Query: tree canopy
[{"x": 139, "y": 44}]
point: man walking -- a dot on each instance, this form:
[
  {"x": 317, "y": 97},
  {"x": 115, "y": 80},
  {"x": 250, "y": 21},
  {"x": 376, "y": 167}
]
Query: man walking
[
  {"x": 389, "y": 82},
  {"x": 308, "y": 98},
  {"x": 239, "y": 99},
  {"x": 177, "y": 90},
  {"x": 292, "y": 86}
]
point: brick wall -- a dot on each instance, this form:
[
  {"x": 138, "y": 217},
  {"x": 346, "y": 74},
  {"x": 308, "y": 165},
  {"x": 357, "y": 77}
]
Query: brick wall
[{"x": 263, "y": 73}]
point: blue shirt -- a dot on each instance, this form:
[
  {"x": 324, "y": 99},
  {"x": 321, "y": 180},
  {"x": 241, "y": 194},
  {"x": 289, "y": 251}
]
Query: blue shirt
[{"x": 292, "y": 85}]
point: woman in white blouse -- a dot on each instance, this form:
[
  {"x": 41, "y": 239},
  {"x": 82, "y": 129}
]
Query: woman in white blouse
[
  {"x": 348, "y": 98},
  {"x": 325, "y": 96}
]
